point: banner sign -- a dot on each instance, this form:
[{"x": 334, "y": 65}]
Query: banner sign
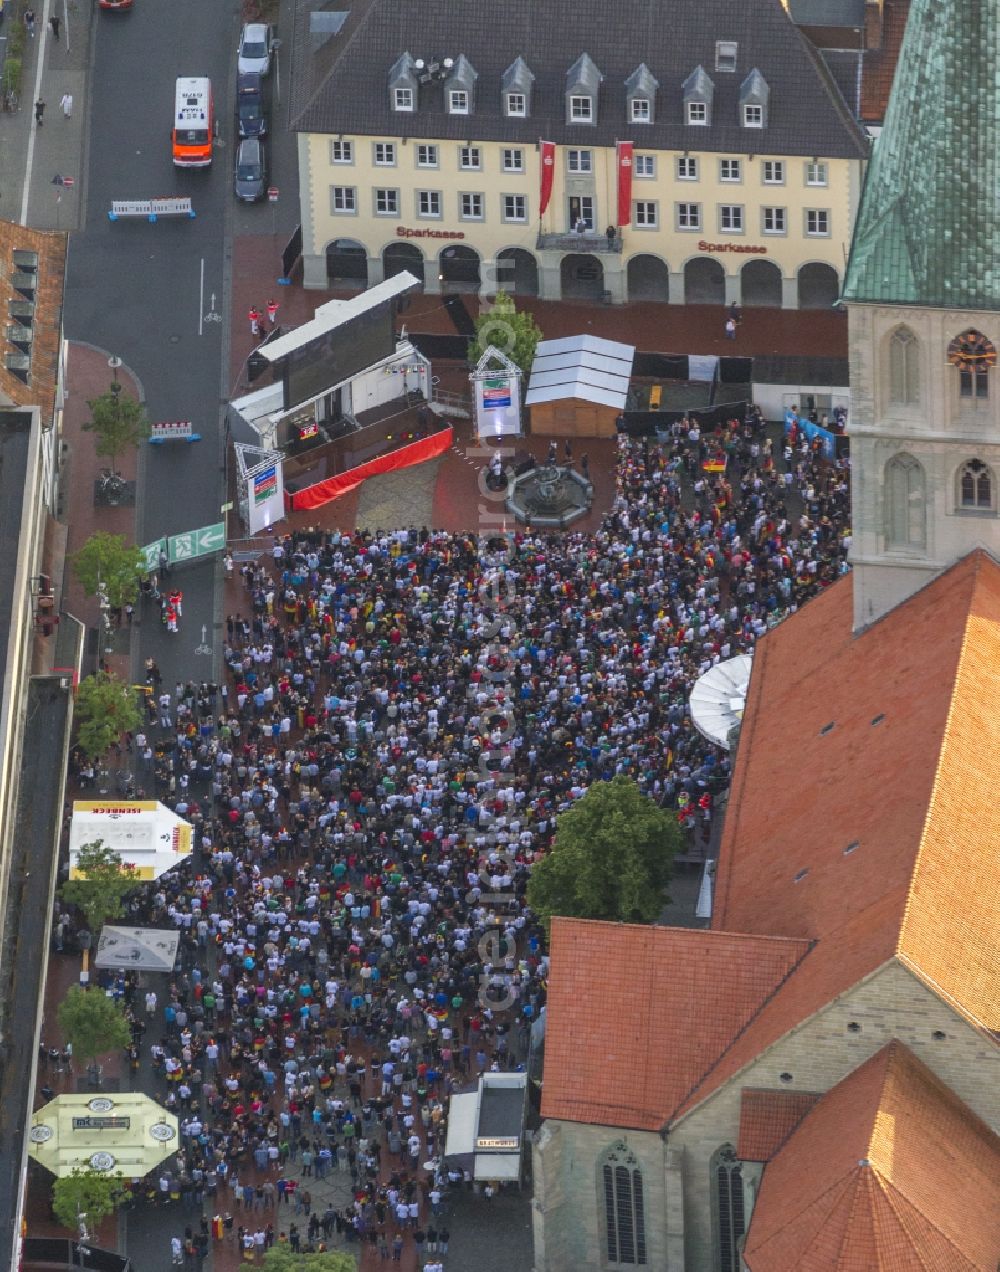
[
  {"x": 496, "y": 394},
  {"x": 265, "y": 484},
  {"x": 625, "y": 182},
  {"x": 548, "y": 149},
  {"x": 813, "y": 431}
]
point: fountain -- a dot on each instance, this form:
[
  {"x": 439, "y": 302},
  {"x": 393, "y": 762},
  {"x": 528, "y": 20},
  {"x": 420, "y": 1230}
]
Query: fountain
[{"x": 549, "y": 496}]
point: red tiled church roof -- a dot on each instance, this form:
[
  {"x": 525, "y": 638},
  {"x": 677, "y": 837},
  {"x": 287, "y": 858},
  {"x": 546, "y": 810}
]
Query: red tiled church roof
[{"x": 767, "y": 1118}]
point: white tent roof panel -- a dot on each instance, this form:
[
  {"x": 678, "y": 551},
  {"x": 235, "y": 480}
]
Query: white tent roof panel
[
  {"x": 463, "y": 1114},
  {"x": 497, "y": 1166},
  {"x": 583, "y": 367}
]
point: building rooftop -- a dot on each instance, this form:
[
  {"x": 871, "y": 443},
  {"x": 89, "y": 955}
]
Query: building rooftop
[
  {"x": 927, "y": 226},
  {"x": 880, "y": 64},
  {"x": 32, "y": 276},
  {"x": 340, "y": 83},
  {"x": 767, "y": 1118},
  {"x": 889, "y": 1170}
]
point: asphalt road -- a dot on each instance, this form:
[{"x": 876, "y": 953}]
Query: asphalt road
[{"x": 148, "y": 293}]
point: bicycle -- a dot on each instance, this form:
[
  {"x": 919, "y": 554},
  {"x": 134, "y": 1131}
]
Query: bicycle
[{"x": 11, "y": 100}]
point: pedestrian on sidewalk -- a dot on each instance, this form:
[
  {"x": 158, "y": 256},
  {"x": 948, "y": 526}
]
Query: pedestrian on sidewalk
[
  {"x": 254, "y": 317},
  {"x": 54, "y": 24},
  {"x": 66, "y": 102},
  {"x": 39, "y": 112},
  {"x": 272, "y": 312},
  {"x": 176, "y": 1251},
  {"x": 29, "y": 21}
]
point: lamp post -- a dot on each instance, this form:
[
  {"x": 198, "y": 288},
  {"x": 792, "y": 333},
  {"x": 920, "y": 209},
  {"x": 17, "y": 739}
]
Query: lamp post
[{"x": 114, "y": 362}]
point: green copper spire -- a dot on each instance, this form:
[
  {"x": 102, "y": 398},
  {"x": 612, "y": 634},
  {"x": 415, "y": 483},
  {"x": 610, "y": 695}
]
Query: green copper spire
[{"x": 928, "y": 230}]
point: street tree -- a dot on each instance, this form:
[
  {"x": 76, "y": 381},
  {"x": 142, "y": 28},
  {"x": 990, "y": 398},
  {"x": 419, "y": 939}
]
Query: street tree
[
  {"x": 117, "y": 421},
  {"x": 509, "y": 329},
  {"x": 610, "y": 858},
  {"x": 94, "y": 1023},
  {"x": 105, "y": 709},
  {"x": 86, "y": 1197},
  {"x": 107, "y": 881},
  {"x": 282, "y": 1259},
  {"x": 109, "y": 559}
]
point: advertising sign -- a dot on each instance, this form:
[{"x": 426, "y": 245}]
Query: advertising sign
[
  {"x": 265, "y": 497},
  {"x": 265, "y": 484},
  {"x": 496, "y": 394}
]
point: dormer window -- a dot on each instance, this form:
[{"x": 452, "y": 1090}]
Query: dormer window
[
  {"x": 640, "y": 93},
  {"x": 725, "y": 55},
  {"x": 403, "y": 85},
  {"x": 582, "y": 83},
  {"x": 754, "y": 95},
  {"x": 699, "y": 92},
  {"x": 515, "y": 85},
  {"x": 459, "y": 86},
  {"x": 403, "y": 99},
  {"x": 458, "y": 102}
]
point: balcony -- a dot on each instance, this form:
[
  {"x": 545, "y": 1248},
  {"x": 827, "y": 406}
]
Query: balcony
[{"x": 588, "y": 241}]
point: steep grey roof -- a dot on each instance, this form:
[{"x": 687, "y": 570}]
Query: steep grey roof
[
  {"x": 642, "y": 82},
  {"x": 828, "y": 13},
  {"x": 344, "y": 87}
]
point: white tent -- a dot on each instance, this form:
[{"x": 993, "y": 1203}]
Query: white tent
[
  {"x": 718, "y": 698},
  {"x": 145, "y": 834},
  {"x": 588, "y": 368},
  {"x": 144, "y": 949}
]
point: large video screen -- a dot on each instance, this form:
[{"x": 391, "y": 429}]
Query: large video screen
[{"x": 336, "y": 356}]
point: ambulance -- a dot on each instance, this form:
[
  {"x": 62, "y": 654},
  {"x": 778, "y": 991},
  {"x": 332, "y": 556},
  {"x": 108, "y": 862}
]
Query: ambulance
[{"x": 194, "y": 123}]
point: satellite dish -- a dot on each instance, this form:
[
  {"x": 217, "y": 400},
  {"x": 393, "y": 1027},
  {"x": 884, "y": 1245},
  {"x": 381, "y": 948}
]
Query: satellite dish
[{"x": 718, "y": 698}]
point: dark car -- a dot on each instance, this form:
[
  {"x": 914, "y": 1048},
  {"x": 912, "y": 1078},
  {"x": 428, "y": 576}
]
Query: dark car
[
  {"x": 250, "y": 183},
  {"x": 251, "y": 112}
]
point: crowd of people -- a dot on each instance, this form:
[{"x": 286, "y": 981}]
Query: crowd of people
[{"x": 403, "y": 718}]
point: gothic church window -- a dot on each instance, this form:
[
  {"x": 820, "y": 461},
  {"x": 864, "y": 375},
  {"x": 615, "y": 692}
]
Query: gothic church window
[
  {"x": 905, "y": 500},
  {"x": 624, "y": 1208},
  {"x": 974, "y": 356},
  {"x": 976, "y": 487},
  {"x": 728, "y": 1208},
  {"x": 904, "y": 367}
]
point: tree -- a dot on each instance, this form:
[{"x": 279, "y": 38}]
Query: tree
[
  {"x": 117, "y": 421},
  {"x": 110, "y": 560},
  {"x": 86, "y": 1196},
  {"x": 94, "y": 1023},
  {"x": 610, "y": 858},
  {"x": 508, "y": 329},
  {"x": 107, "y": 881},
  {"x": 282, "y": 1259},
  {"x": 105, "y": 709}
]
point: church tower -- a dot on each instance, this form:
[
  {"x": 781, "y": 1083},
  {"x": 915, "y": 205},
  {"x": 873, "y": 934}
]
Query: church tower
[{"x": 923, "y": 294}]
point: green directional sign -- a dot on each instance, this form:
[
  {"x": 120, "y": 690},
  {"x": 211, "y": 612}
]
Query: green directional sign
[
  {"x": 151, "y": 553},
  {"x": 196, "y": 543}
]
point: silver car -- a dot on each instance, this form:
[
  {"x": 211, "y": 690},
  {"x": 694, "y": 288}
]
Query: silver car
[
  {"x": 250, "y": 177},
  {"x": 256, "y": 48}
]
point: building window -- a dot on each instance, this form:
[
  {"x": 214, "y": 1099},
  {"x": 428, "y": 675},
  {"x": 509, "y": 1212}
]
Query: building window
[
  {"x": 581, "y": 110},
  {"x": 774, "y": 221},
  {"x": 905, "y": 495},
  {"x": 387, "y": 203},
  {"x": 645, "y": 215},
  {"x": 644, "y": 165},
  {"x": 515, "y": 207},
  {"x": 689, "y": 216},
  {"x": 728, "y": 1208},
  {"x": 458, "y": 101},
  {"x": 385, "y": 154},
  {"x": 687, "y": 168},
  {"x": 904, "y": 367},
  {"x": 753, "y": 116},
  {"x": 341, "y": 151},
  {"x": 976, "y": 487},
  {"x": 470, "y": 207},
  {"x": 403, "y": 98},
  {"x": 580, "y": 160},
  {"x": 974, "y": 355},
  {"x": 513, "y": 159},
  {"x": 730, "y": 170},
  {"x": 816, "y": 173},
  {"x": 624, "y": 1206},
  {"x": 428, "y": 203},
  {"x": 725, "y": 55},
  {"x": 697, "y": 113},
  {"x": 343, "y": 200},
  {"x": 817, "y": 223},
  {"x": 427, "y": 156},
  {"x": 470, "y": 158},
  {"x": 641, "y": 110},
  {"x": 517, "y": 105},
  {"x": 730, "y": 218},
  {"x": 774, "y": 172}
]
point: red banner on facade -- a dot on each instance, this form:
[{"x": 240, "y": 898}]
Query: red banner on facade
[
  {"x": 548, "y": 149},
  {"x": 624, "y": 182}
]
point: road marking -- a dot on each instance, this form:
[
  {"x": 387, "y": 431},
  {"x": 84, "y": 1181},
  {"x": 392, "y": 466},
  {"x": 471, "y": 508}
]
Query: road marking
[
  {"x": 39, "y": 68},
  {"x": 204, "y": 647},
  {"x": 201, "y": 298}
]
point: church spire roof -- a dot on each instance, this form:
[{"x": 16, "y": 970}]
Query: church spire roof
[{"x": 927, "y": 230}]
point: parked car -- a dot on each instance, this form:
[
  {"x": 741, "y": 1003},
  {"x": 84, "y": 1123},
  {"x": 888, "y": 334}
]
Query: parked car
[
  {"x": 256, "y": 47},
  {"x": 115, "y": 4},
  {"x": 250, "y": 182},
  {"x": 251, "y": 111}
]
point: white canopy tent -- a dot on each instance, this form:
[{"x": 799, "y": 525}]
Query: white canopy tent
[
  {"x": 144, "y": 949},
  {"x": 144, "y": 834},
  {"x": 587, "y": 368},
  {"x": 718, "y": 698}
]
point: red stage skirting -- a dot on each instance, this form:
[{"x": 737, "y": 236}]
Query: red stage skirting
[{"x": 326, "y": 491}]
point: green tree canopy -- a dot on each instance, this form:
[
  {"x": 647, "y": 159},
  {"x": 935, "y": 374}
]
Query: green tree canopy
[
  {"x": 117, "y": 421},
  {"x": 508, "y": 329},
  {"x": 610, "y": 859},
  {"x": 280, "y": 1258},
  {"x": 111, "y": 560},
  {"x": 108, "y": 880},
  {"x": 89, "y": 1194},
  {"x": 105, "y": 709},
  {"x": 94, "y": 1023}
]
